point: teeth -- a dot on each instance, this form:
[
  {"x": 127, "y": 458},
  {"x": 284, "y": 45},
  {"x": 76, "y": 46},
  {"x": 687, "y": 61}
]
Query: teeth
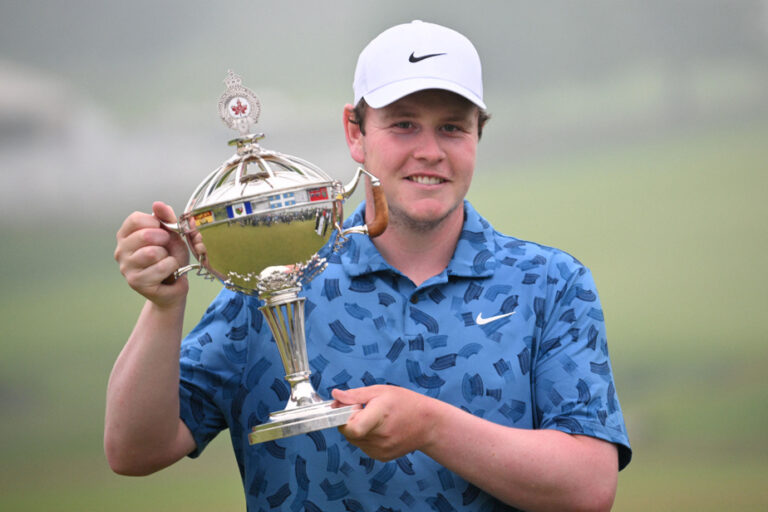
[{"x": 426, "y": 180}]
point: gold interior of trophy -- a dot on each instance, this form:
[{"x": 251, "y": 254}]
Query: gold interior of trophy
[{"x": 240, "y": 250}]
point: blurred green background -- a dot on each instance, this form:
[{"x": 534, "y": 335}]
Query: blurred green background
[{"x": 633, "y": 135}]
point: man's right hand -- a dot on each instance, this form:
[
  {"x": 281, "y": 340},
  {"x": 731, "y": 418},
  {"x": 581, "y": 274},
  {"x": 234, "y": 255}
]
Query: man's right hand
[{"x": 148, "y": 253}]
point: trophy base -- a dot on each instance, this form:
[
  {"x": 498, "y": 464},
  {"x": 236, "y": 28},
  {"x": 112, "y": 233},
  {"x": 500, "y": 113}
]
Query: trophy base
[{"x": 301, "y": 420}]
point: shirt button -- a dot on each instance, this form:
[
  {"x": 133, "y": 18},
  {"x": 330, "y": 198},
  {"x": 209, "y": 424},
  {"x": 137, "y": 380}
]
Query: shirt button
[{"x": 414, "y": 299}]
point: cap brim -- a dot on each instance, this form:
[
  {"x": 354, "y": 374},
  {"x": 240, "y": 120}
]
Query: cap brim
[{"x": 390, "y": 93}]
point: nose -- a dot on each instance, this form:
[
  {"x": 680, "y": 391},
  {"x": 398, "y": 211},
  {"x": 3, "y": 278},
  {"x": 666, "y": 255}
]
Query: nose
[{"x": 428, "y": 147}]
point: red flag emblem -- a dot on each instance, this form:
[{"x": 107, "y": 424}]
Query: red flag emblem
[{"x": 318, "y": 194}]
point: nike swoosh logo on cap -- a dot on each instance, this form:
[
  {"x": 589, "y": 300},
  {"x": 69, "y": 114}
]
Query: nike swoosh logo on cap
[
  {"x": 482, "y": 321},
  {"x": 413, "y": 58}
]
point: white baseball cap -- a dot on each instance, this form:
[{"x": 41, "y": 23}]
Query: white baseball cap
[{"x": 416, "y": 56}]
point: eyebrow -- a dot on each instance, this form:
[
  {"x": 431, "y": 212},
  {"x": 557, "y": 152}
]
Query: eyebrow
[
  {"x": 404, "y": 111},
  {"x": 398, "y": 112}
]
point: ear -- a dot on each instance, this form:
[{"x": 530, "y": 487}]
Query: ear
[{"x": 354, "y": 135}]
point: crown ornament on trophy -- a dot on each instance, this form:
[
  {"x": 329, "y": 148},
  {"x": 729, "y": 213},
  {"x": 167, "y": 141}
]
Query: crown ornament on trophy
[
  {"x": 256, "y": 224},
  {"x": 239, "y": 107}
]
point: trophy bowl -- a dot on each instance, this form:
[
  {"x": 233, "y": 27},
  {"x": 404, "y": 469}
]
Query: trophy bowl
[
  {"x": 259, "y": 209},
  {"x": 256, "y": 224},
  {"x": 263, "y": 209}
]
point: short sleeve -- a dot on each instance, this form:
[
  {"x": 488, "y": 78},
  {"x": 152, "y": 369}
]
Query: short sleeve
[
  {"x": 574, "y": 389},
  {"x": 211, "y": 364}
]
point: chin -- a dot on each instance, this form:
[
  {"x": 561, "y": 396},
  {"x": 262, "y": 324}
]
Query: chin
[{"x": 425, "y": 219}]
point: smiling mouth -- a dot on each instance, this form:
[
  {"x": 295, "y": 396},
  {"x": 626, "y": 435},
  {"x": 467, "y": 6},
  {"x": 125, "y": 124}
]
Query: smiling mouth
[{"x": 426, "y": 180}]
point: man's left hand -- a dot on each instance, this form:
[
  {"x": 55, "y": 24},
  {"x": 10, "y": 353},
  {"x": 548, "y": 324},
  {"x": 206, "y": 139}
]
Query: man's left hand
[{"x": 394, "y": 421}]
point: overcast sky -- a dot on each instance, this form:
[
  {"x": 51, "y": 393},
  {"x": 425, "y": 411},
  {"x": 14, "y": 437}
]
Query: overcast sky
[{"x": 122, "y": 95}]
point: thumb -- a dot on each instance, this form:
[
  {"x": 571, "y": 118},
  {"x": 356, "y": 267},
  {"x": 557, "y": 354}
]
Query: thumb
[
  {"x": 366, "y": 420},
  {"x": 355, "y": 396},
  {"x": 163, "y": 212}
]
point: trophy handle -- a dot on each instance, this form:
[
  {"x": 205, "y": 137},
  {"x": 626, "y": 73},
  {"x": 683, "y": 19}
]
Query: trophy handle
[
  {"x": 175, "y": 227},
  {"x": 381, "y": 211},
  {"x": 380, "y": 207}
]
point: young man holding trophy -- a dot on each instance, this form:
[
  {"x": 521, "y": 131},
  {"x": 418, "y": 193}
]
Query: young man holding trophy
[{"x": 476, "y": 363}]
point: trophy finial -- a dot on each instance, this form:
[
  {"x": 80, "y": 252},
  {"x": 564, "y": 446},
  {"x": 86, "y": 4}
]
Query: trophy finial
[
  {"x": 232, "y": 79},
  {"x": 239, "y": 107}
]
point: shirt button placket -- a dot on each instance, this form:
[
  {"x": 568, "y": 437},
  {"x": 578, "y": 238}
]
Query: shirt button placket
[{"x": 411, "y": 327}]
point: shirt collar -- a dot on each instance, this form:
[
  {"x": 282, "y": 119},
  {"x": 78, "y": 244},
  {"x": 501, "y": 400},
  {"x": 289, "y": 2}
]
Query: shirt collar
[{"x": 473, "y": 257}]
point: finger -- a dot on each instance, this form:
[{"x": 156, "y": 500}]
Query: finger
[
  {"x": 151, "y": 276},
  {"x": 364, "y": 421},
  {"x": 146, "y": 256},
  {"x": 145, "y": 237},
  {"x": 342, "y": 397},
  {"x": 163, "y": 212},
  {"x": 167, "y": 217},
  {"x": 197, "y": 244},
  {"x": 357, "y": 395},
  {"x": 137, "y": 263},
  {"x": 136, "y": 221},
  {"x": 162, "y": 269}
]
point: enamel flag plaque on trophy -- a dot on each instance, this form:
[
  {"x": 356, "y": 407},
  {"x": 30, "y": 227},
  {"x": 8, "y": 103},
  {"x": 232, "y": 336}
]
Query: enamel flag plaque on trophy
[{"x": 256, "y": 224}]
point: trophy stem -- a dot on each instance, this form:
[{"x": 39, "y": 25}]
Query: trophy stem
[
  {"x": 284, "y": 312},
  {"x": 305, "y": 411}
]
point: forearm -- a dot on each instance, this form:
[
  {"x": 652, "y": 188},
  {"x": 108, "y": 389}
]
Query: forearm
[
  {"x": 531, "y": 469},
  {"x": 142, "y": 413}
]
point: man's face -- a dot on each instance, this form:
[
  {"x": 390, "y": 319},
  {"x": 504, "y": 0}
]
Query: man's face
[{"x": 422, "y": 148}]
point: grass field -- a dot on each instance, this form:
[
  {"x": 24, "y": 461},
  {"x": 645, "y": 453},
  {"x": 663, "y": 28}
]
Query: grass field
[{"x": 673, "y": 231}]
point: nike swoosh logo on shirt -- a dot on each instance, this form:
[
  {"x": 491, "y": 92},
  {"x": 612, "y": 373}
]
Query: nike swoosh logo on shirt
[
  {"x": 482, "y": 321},
  {"x": 413, "y": 58}
]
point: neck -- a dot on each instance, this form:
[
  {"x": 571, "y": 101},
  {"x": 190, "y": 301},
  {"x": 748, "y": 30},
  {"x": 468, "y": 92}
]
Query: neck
[{"x": 420, "y": 254}]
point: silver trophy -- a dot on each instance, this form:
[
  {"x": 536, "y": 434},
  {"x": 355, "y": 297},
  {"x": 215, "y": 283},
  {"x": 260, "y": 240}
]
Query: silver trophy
[{"x": 256, "y": 224}]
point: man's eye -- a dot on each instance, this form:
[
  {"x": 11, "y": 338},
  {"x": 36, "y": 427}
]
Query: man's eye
[
  {"x": 404, "y": 125},
  {"x": 451, "y": 128}
]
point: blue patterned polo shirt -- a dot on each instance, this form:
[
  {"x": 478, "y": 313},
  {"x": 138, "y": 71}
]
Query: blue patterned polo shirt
[{"x": 510, "y": 331}]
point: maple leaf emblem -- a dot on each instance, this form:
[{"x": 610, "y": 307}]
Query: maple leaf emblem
[{"x": 239, "y": 109}]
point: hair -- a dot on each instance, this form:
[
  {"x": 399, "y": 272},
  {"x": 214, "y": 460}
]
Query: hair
[{"x": 358, "y": 117}]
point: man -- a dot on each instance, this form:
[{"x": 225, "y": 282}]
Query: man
[{"x": 480, "y": 359}]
